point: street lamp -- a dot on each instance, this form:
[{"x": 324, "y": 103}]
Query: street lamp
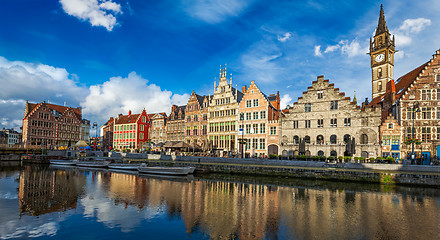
[{"x": 415, "y": 106}]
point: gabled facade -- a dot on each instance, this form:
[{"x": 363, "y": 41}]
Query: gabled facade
[
  {"x": 131, "y": 131},
  {"x": 196, "y": 121},
  {"x": 223, "y": 115},
  {"x": 51, "y": 125},
  {"x": 259, "y": 122},
  {"x": 158, "y": 132},
  {"x": 329, "y": 124},
  {"x": 390, "y": 135},
  {"x": 175, "y": 124},
  {"x": 107, "y": 134}
]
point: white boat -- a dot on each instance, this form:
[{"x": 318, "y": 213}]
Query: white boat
[
  {"x": 124, "y": 166},
  {"x": 92, "y": 164},
  {"x": 166, "y": 170},
  {"x": 63, "y": 162}
]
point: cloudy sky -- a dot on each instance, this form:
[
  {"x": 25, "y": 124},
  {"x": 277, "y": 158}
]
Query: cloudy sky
[{"x": 110, "y": 56}]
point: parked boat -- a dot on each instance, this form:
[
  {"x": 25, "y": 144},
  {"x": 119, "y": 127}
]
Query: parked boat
[
  {"x": 166, "y": 170},
  {"x": 124, "y": 166},
  {"x": 63, "y": 162},
  {"x": 92, "y": 164}
]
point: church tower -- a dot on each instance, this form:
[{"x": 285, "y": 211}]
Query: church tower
[{"x": 382, "y": 49}]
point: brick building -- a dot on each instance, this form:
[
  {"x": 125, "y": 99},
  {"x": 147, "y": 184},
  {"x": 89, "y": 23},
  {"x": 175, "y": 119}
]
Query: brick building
[
  {"x": 390, "y": 132},
  {"x": 196, "y": 121},
  {"x": 107, "y": 134},
  {"x": 175, "y": 124},
  {"x": 51, "y": 125},
  {"x": 223, "y": 115},
  {"x": 131, "y": 131},
  {"x": 256, "y": 112}
]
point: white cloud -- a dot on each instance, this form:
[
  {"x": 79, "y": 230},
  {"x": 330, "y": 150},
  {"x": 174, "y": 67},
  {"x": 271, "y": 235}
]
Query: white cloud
[
  {"x": 213, "y": 11},
  {"x": 408, "y": 29},
  {"x": 318, "y": 50},
  {"x": 119, "y": 95},
  {"x": 98, "y": 13},
  {"x": 285, "y": 100},
  {"x": 284, "y": 37},
  {"x": 349, "y": 48}
]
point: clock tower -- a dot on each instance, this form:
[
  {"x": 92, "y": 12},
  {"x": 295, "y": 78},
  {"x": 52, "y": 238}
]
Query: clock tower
[{"x": 382, "y": 49}]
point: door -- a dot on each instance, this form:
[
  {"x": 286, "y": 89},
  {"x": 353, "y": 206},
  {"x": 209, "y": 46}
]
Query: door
[{"x": 426, "y": 158}]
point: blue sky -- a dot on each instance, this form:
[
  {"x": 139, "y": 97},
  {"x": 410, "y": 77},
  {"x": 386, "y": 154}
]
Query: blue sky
[{"x": 112, "y": 56}]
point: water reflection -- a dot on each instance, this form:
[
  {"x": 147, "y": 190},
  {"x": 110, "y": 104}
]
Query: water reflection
[{"x": 225, "y": 209}]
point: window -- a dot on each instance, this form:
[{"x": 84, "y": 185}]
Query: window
[
  {"x": 319, "y": 139},
  {"x": 144, "y": 119},
  {"x": 437, "y": 78},
  {"x": 426, "y": 134},
  {"x": 307, "y": 123},
  {"x": 333, "y": 105},
  {"x": 255, "y": 115},
  {"x": 141, "y": 128},
  {"x": 262, "y": 114},
  {"x": 320, "y": 123},
  {"x": 248, "y": 128},
  {"x": 248, "y": 103},
  {"x": 347, "y": 122},
  {"x": 307, "y": 139},
  {"x": 379, "y": 86},
  {"x": 262, "y": 128},
  {"x": 438, "y": 133},
  {"x": 438, "y": 113},
  {"x": 255, "y": 102},
  {"x": 364, "y": 139},
  {"x": 295, "y": 124},
  {"x": 295, "y": 139},
  {"x": 254, "y": 128},
  {"x": 262, "y": 143},
  {"x": 141, "y": 136},
  {"x": 426, "y": 94},
  {"x": 320, "y": 94},
  {"x": 273, "y": 130},
  {"x": 426, "y": 113},
  {"x": 408, "y": 132},
  {"x": 308, "y": 107},
  {"x": 438, "y": 93},
  {"x": 385, "y": 140},
  {"x": 390, "y": 126},
  {"x": 333, "y": 122},
  {"x": 333, "y": 139},
  {"x": 409, "y": 113},
  {"x": 379, "y": 73},
  {"x": 248, "y": 116},
  {"x": 395, "y": 140}
]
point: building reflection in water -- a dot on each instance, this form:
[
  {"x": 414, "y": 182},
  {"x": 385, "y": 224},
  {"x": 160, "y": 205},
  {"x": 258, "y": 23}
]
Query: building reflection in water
[
  {"x": 43, "y": 190},
  {"x": 225, "y": 210},
  {"x": 253, "y": 211}
]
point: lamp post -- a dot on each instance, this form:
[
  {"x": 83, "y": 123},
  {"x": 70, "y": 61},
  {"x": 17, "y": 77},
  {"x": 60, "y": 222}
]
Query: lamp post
[{"x": 415, "y": 105}]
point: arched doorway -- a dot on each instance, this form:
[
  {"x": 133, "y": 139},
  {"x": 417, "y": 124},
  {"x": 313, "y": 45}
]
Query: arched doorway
[
  {"x": 333, "y": 153},
  {"x": 320, "y": 153},
  {"x": 272, "y": 149},
  {"x": 364, "y": 154}
]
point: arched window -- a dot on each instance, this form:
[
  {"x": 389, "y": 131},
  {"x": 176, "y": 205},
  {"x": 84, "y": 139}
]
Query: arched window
[
  {"x": 364, "y": 139},
  {"x": 320, "y": 153},
  {"x": 295, "y": 139},
  {"x": 379, "y": 86},
  {"x": 333, "y": 153},
  {"x": 319, "y": 139},
  {"x": 307, "y": 139},
  {"x": 285, "y": 140},
  {"x": 346, "y": 138},
  {"x": 379, "y": 73},
  {"x": 333, "y": 139}
]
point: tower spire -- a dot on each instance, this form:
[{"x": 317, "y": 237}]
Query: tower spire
[{"x": 382, "y": 25}]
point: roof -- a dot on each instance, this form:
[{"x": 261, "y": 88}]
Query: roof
[
  {"x": 126, "y": 119},
  {"x": 382, "y": 25},
  {"x": 61, "y": 109}
]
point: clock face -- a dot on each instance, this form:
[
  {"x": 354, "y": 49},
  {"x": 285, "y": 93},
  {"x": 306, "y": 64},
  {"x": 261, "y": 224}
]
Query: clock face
[{"x": 380, "y": 57}]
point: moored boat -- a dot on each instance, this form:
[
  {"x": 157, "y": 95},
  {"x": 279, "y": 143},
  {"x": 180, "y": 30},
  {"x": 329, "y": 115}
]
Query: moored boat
[
  {"x": 63, "y": 162},
  {"x": 92, "y": 164},
  {"x": 124, "y": 166},
  {"x": 166, "y": 170}
]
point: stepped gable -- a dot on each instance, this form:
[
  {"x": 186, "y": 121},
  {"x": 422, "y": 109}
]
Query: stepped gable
[{"x": 30, "y": 107}]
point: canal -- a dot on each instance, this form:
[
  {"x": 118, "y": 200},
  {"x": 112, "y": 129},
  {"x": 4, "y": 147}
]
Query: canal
[{"x": 73, "y": 203}]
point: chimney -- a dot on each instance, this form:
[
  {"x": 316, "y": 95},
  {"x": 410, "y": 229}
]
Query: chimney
[
  {"x": 129, "y": 113},
  {"x": 243, "y": 89}
]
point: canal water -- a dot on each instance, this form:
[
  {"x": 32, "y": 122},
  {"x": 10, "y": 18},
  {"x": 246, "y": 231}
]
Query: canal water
[{"x": 72, "y": 203}]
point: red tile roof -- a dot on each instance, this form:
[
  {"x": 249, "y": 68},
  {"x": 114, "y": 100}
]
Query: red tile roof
[
  {"x": 58, "y": 108},
  {"x": 126, "y": 119}
]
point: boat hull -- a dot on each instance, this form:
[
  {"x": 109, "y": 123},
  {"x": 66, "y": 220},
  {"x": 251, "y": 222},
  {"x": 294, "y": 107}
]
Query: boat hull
[
  {"x": 132, "y": 167},
  {"x": 166, "y": 170},
  {"x": 92, "y": 165},
  {"x": 63, "y": 162}
]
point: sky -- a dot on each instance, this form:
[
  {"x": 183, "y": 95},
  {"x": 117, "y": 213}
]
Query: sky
[{"x": 112, "y": 56}]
